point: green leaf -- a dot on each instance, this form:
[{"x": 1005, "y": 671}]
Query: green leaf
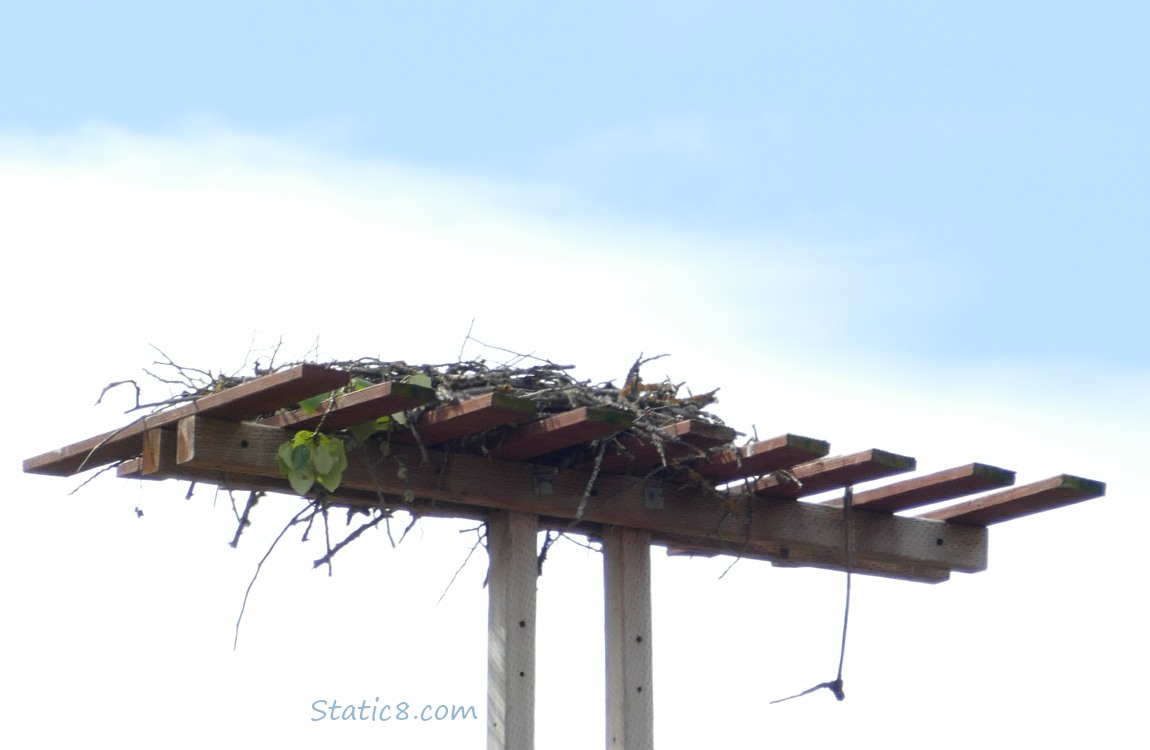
[
  {"x": 300, "y": 457},
  {"x": 362, "y": 431},
  {"x": 309, "y": 405},
  {"x": 331, "y": 481},
  {"x": 358, "y": 384},
  {"x": 284, "y": 456},
  {"x": 303, "y": 437},
  {"x": 301, "y": 481},
  {"x": 419, "y": 378},
  {"x": 323, "y": 454}
]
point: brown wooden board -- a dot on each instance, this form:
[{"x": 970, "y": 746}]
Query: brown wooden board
[
  {"x": 930, "y": 488},
  {"x": 468, "y": 417},
  {"x": 834, "y": 473},
  {"x": 663, "y": 508},
  {"x": 350, "y": 409},
  {"x": 686, "y": 438},
  {"x": 1020, "y": 501},
  {"x": 796, "y": 557},
  {"x": 159, "y": 463},
  {"x": 762, "y": 457},
  {"x": 248, "y": 400},
  {"x": 563, "y": 430}
]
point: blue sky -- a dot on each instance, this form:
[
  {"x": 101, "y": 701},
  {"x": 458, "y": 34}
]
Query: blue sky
[
  {"x": 1004, "y": 143},
  {"x": 912, "y": 226}
]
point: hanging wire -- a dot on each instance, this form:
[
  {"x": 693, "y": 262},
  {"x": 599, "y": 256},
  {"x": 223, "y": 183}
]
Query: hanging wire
[{"x": 836, "y": 685}]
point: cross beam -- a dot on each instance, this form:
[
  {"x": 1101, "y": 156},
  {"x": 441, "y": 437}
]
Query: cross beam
[{"x": 694, "y": 519}]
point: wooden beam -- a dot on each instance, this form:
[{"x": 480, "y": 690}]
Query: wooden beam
[
  {"x": 469, "y": 417},
  {"x": 627, "y": 610},
  {"x": 245, "y": 401},
  {"x": 834, "y": 473},
  {"x": 763, "y": 457},
  {"x": 562, "y": 431},
  {"x": 158, "y": 463},
  {"x": 931, "y": 488},
  {"x": 1020, "y": 501},
  {"x": 757, "y": 523},
  {"x": 357, "y": 407},
  {"x": 511, "y": 586},
  {"x": 784, "y": 556},
  {"x": 689, "y": 437}
]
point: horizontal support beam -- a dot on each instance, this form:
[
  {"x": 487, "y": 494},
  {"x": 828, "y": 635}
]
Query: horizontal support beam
[
  {"x": 785, "y": 556},
  {"x": 158, "y": 463},
  {"x": 244, "y": 401},
  {"x": 1020, "y": 501},
  {"x": 722, "y": 522}
]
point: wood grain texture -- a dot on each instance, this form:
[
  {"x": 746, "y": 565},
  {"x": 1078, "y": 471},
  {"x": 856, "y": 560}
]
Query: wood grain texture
[
  {"x": 685, "y": 438},
  {"x": 930, "y": 488},
  {"x": 349, "y": 409},
  {"x": 245, "y": 401},
  {"x": 762, "y": 457},
  {"x": 756, "y": 524},
  {"x": 834, "y": 473},
  {"x": 561, "y": 431},
  {"x": 468, "y": 417},
  {"x": 511, "y": 587},
  {"x": 630, "y": 717},
  {"x": 1020, "y": 501}
]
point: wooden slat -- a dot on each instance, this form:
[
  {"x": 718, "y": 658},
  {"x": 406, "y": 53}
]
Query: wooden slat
[
  {"x": 244, "y": 401},
  {"x": 931, "y": 488},
  {"x": 350, "y": 409},
  {"x": 642, "y": 454},
  {"x": 834, "y": 473},
  {"x": 562, "y": 431},
  {"x": 469, "y": 417},
  {"x": 1020, "y": 501},
  {"x": 760, "y": 525},
  {"x": 763, "y": 457}
]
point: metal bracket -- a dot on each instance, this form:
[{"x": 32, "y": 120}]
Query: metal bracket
[
  {"x": 653, "y": 498},
  {"x": 544, "y": 482}
]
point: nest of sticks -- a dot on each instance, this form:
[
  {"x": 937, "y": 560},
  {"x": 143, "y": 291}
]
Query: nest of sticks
[{"x": 553, "y": 389}]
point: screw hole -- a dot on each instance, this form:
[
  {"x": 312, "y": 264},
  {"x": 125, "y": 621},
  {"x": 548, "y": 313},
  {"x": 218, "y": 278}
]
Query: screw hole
[
  {"x": 938, "y": 541},
  {"x": 638, "y": 639},
  {"x": 522, "y": 623},
  {"x": 244, "y": 443}
]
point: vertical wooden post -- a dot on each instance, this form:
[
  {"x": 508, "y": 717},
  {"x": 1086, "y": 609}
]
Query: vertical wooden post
[
  {"x": 627, "y": 604},
  {"x": 511, "y": 545}
]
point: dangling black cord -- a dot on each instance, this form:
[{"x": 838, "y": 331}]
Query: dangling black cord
[{"x": 836, "y": 685}]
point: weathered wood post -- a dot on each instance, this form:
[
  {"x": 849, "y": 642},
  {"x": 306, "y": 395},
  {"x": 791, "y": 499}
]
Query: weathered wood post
[
  {"x": 511, "y": 540},
  {"x": 627, "y": 609}
]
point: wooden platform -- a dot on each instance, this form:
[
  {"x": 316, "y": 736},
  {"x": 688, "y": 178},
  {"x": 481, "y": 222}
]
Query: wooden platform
[{"x": 698, "y": 494}]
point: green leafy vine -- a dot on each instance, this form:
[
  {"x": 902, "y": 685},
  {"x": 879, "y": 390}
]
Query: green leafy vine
[{"x": 312, "y": 457}]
